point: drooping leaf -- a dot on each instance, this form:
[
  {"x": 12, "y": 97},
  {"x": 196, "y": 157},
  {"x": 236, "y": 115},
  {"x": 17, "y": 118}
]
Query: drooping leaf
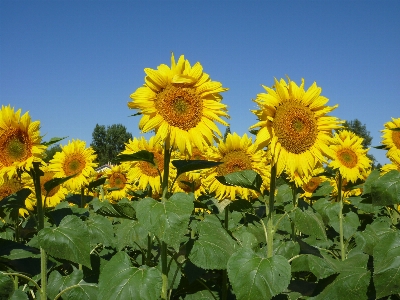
[
  {"x": 213, "y": 247},
  {"x": 142, "y": 155},
  {"x": 386, "y": 189},
  {"x": 167, "y": 220},
  {"x": 183, "y": 166},
  {"x": 247, "y": 179},
  {"x": 100, "y": 230},
  {"x": 70, "y": 240},
  {"x": 119, "y": 280},
  {"x": 256, "y": 277},
  {"x": 52, "y": 183},
  {"x": 123, "y": 209}
]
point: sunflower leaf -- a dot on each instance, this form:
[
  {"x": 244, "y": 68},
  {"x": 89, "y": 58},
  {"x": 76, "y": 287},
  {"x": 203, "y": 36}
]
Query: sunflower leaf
[
  {"x": 247, "y": 179},
  {"x": 6, "y": 286},
  {"x": 395, "y": 129},
  {"x": 17, "y": 199},
  {"x": 96, "y": 183},
  {"x": 53, "y": 141},
  {"x": 386, "y": 189},
  {"x": 52, "y": 183},
  {"x": 380, "y": 147},
  {"x": 142, "y": 155},
  {"x": 184, "y": 166}
]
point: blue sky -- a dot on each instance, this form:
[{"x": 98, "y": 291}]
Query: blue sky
[{"x": 73, "y": 64}]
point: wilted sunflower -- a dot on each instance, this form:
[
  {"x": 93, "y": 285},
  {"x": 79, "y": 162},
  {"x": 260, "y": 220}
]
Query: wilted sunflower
[
  {"x": 294, "y": 126},
  {"x": 19, "y": 142},
  {"x": 391, "y": 138},
  {"x": 74, "y": 158},
  {"x": 237, "y": 154},
  {"x": 118, "y": 182},
  {"x": 181, "y": 104},
  {"x": 142, "y": 172},
  {"x": 349, "y": 156}
]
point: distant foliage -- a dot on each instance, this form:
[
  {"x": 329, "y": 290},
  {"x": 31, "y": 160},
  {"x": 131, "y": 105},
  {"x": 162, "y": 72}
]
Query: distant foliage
[
  {"x": 109, "y": 141},
  {"x": 50, "y": 152}
]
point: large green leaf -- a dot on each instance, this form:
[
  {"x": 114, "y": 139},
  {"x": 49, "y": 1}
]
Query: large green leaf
[
  {"x": 57, "y": 282},
  {"x": 142, "y": 155},
  {"x": 256, "y": 277},
  {"x": 6, "y": 286},
  {"x": 247, "y": 179},
  {"x": 386, "y": 189},
  {"x": 82, "y": 291},
  {"x": 18, "y": 295},
  {"x": 183, "y": 166},
  {"x": 387, "y": 264},
  {"x": 119, "y": 280},
  {"x": 309, "y": 222},
  {"x": 202, "y": 295},
  {"x": 131, "y": 233},
  {"x": 351, "y": 283},
  {"x": 320, "y": 267},
  {"x": 69, "y": 241},
  {"x": 284, "y": 194},
  {"x": 323, "y": 190},
  {"x": 350, "y": 224},
  {"x": 100, "y": 230},
  {"x": 370, "y": 180},
  {"x": 123, "y": 209},
  {"x": 167, "y": 220},
  {"x": 213, "y": 247}
]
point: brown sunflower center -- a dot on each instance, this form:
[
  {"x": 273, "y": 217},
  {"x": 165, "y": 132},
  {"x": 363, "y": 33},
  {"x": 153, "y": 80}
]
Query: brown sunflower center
[
  {"x": 15, "y": 146},
  {"x": 312, "y": 185},
  {"x": 233, "y": 162},
  {"x": 117, "y": 180},
  {"x": 180, "y": 106},
  {"x": 151, "y": 170},
  {"x": 295, "y": 126},
  {"x": 347, "y": 158},
  {"x": 396, "y": 138},
  {"x": 74, "y": 164},
  {"x": 9, "y": 187},
  {"x": 187, "y": 188},
  {"x": 45, "y": 178}
]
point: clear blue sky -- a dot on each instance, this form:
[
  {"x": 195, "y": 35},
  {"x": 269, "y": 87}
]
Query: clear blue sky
[{"x": 73, "y": 64}]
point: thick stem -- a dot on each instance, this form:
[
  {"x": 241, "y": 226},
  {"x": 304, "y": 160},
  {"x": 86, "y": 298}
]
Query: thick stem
[
  {"x": 342, "y": 252},
  {"x": 270, "y": 224},
  {"x": 40, "y": 214}
]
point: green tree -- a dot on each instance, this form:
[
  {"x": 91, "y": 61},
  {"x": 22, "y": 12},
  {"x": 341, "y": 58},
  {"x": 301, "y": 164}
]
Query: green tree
[
  {"x": 49, "y": 154},
  {"x": 109, "y": 141},
  {"x": 361, "y": 130}
]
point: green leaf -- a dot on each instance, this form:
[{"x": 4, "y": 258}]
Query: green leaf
[
  {"x": 142, "y": 155},
  {"x": 18, "y": 295},
  {"x": 183, "y": 166},
  {"x": 370, "y": 180},
  {"x": 350, "y": 224},
  {"x": 287, "y": 249},
  {"x": 6, "y": 286},
  {"x": 247, "y": 179},
  {"x": 167, "y": 220},
  {"x": 245, "y": 238},
  {"x": 323, "y": 190},
  {"x": 395, "y": 129},
  {"x": 131, "y": 233},
  {"x": 386, "y": 189},
  {"x": 119, "y": 280},
  {"x": 82, "y": 291},
  {"x": 320, "y": 267},
  {"x": 213, "y": 247},
  {"x": 380, "y": 147},
  {"x": 202, "y": 295},
  {"x": 96, "y": 183},
  {"x": 52, "y": 183},
  {"x": 69, "y": 241},
  {"x": 309, "y": 222},
  {"x": 256, "y": 277},
  {"x": 123, "y": 209},
  {"x": 100, "y": 230},
  {"x": 284, "y": 194},
  {"x": 387, "y": 264},
  {"x": 16, "y": 200},
  {"x": 53, "y": 141},
  {"x": 57, "y": 282},
  {"x": 351, "y": 283}
]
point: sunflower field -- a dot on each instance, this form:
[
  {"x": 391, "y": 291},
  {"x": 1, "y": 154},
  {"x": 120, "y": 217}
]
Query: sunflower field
[{"x": 295, "y": 211}]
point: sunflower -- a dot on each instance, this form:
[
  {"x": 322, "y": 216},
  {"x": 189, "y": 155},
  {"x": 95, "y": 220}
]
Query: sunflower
[
  {"x": 348, "y": 190},
  {"x": 74, "y": 159},
  {"x": 237, "y": 154},
  {"x": 394, "y": 165},
  {"x": 310, "y": 184},
  {"x": 349, "y": 156},
  {"x": 181, "y": 104},
  {"x": 391, "y": 138},
  {"x": 294, "y": 125},
  {"x": 142, "y": 172},
  {"x": 19, "y": 142},
  {"x": 118, "y": 182}
]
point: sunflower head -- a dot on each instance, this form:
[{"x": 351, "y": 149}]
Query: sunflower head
[
  {"x": 118, "y": 182},
  {"x": 19, "y": 142},
  {"x": 391, "y": 138},
  {"x": 181, "y": 104},
  {"x": 74, "y": 159},
  {"x": 294, "y": 125},
  {"x": 349, "y": 156}
]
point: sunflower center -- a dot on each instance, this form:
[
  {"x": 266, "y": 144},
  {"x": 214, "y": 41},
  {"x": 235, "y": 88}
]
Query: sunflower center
[
  {"x": 9, "y": 187},
  {"x": 117, "y": 180},
  {"x": 396, "y": 138},
  {"x": 233, "y": 162},
  {"x": 74, "y": 164},
  {"x": 180, "y": 106},
  {"x": 45, "y": 178},
  {"x": 295, "y": 126},
  {"x": 347, "y": 157},
  {"x": 15, "y": 146},
  {"x": 312, "y": 185},
  {"x": 185, "y": 187},
  {"x": 151, "y": 170}
]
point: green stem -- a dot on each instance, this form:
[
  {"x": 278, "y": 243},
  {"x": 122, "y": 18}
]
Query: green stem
[
  {"x": 83, "y": 202},
  {"x": 294, "y": 201},
  {"x": 40, "y": 211},
  {"x": 342, "y": 252},
  {"x": 225, "y": 272},
  {"x": 164, "y": 183},
  {"x": 164, "y": 268},
  {"x": 25, "y": 277},
  {"x": 270, "y": 224}
]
